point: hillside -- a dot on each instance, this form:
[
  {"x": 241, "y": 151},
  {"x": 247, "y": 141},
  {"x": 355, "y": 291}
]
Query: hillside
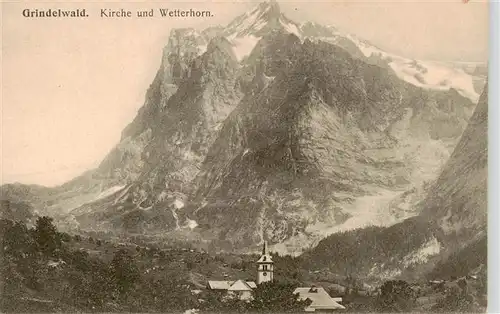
[
  {"x": 44, "y": 270},
  {"x": 448, "y": 234},
  {"x": 271, "y": 129},
  {"x": 458, "y": 200}
]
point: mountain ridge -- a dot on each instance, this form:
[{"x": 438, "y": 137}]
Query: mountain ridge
[
  {"x": 447, "y": 238},
  {"x": 240, "y": 139}
]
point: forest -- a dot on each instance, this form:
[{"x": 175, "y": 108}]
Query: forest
[{"x": 44, "y": 270}]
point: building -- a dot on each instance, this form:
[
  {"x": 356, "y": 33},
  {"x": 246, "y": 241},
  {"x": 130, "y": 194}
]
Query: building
[
  {"x": 242, "y": 288},
  {"x": 265, "y": 266},
  {"x": 321, "y": 300}
]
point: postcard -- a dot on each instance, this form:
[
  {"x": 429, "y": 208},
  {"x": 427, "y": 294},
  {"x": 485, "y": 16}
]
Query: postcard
[{"x": 244, "y": 157}]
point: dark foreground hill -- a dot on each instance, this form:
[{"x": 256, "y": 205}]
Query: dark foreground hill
[{"x": 43, "y": 270}]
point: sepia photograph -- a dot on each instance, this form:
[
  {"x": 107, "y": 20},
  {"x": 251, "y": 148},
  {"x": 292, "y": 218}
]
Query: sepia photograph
[{"x": 244, "y": 157}]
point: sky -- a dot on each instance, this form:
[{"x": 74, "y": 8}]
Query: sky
[{"x": 70, "y": 86}]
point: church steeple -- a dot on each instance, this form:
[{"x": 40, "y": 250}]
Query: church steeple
[{"x": 265, "y": 266}]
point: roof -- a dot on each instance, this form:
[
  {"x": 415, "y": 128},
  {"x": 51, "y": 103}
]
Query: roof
[
  {"x": 320, "y": 299},
  {"x": 232, "y": 285},
  {"x": 252, "y": 284},
  {"x": 265, "y": 259},
  {"x": 219, "y": 284},
  {"x": 240, "y": 285}
]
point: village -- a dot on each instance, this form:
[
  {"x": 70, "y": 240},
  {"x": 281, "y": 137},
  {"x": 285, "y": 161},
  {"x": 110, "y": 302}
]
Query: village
[
  {"x": 111, "y": 276},
  {"x": 320, "y": 300}
]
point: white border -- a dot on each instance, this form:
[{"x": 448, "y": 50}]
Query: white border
[{"x": 493, "y": 158}]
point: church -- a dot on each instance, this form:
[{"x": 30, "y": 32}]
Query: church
[
  {"x": 242, "y": 288},
  {"x": 321, "y": 300}
]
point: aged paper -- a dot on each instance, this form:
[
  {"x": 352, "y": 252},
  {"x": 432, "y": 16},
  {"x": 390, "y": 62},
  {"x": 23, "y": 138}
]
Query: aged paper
[{"x": 264, "y": 157}]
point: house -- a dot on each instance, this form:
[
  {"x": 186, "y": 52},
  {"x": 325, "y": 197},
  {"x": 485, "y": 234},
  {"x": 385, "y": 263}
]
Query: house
[
  {"x": 243, "y": 288},
  {"x": 321, "y": 300},
  {"x": 240, "y": 288}
]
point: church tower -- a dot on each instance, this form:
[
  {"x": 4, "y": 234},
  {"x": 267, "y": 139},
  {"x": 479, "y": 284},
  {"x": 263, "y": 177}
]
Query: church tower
[{"x": 264, "y": 266}]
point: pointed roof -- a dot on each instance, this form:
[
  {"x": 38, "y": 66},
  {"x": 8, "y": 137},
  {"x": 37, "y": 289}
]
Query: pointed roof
[
  {"x": 320, "y": 299},
  {"x": 240, "y": 285},
  {"x": 231, "y": 285},
  {"x": 219, "y": 284},
  {"x": 266, "y": 257}
]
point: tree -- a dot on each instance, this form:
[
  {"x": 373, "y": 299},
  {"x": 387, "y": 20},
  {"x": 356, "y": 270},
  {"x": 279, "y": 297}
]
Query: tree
[
  {"x": 80, "y": 260},
  {"x": 179, "y": 294},
  {"x": 287, "y": 268},
  {"x": 124, "y": 271},
  {"x": 46, "y": 235},
  {"x": 89, "y": 290},
  {"x": 218, "y": 301},
  {"x": 12, "y": 285},
  {"x": 352, "y": 285},
  {"x": 458, "y": 298},
  {"x": 17, "y": 240},
  {"x": 269, "y": 297},
  {"x": 277, "y": 297},
  {"x": 64, "y": 237},
  {"x": 396, "y": 296}
]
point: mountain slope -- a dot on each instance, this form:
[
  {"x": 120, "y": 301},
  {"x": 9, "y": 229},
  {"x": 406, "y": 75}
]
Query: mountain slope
[
  {"x": 300, "y": 151},
  {"x": 466, "y": 78},
  {"x": 178, "y": 144},
  {"x": 465, "y": 176},
  {"x": 450, "y": 231},
  {"x": 267, "y": 128}
]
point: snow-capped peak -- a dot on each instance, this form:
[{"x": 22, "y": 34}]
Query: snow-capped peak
[
  {"x": 246, "y": 30},
  {"x": 254, "y": 21},
  {"x": 421, "y": 73},
  {"x": 425, "y": 74}
]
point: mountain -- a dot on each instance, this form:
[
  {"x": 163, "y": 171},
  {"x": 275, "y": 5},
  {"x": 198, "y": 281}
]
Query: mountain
[
  {"x": 19, "y": 202},
  {"x": 465, "y": 77},
  {"x": 465, "y": 176},
  {"x": 448, "y": 234},
  {"x": 175, "y": 144},
  {"x": 301, "y": 150},
  {"x": 271, "y": 129}
]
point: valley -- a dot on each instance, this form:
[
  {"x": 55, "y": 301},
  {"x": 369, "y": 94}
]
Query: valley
[{"x": 347, "y": 159}]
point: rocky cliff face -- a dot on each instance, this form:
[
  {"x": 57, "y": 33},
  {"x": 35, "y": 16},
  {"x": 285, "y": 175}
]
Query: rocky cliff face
[
  {"x": 458, "y": 199},
  {"x": 450, "y": 231},
  {"x": 177, "y": 142},
  {"x": 295, "y": 154},
  {"x": 267, "y": 128}
]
